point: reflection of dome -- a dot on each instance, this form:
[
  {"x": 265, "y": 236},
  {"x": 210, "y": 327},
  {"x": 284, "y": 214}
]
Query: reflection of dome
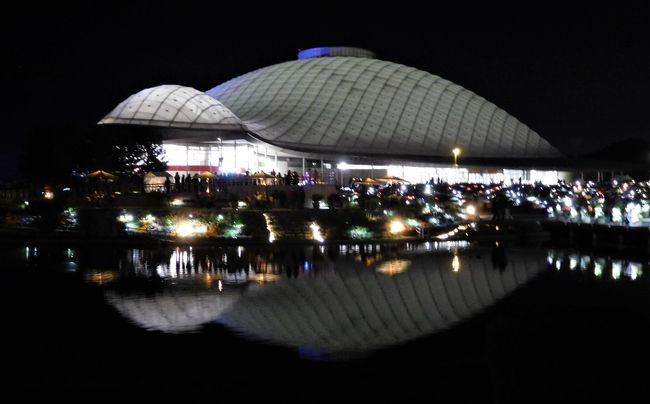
[
  {"x": 370, "y": 106},
  {"x": 175, "y": 107},
  {"x": 173, "y": 310},
  {"x": 355, "y": 309}
]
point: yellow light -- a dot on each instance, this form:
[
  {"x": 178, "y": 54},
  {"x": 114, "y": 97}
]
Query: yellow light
[
  {"x": 263, "y": 278},
  {"x": 48, "y": 195},
  {"x": 396, "y": 226},
  {"x": 471, "y": 210},
  {"x": 101, "y": 277},
  {"x": 455, "y": 264},
  {"x": 394, "y": 267},
  {"x": 456, "y": 152}
]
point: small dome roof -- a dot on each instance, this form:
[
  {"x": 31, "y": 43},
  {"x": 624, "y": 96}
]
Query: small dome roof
[{"x": 173, "y": 106}]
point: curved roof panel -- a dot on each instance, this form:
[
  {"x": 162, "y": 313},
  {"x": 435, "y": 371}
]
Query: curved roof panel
[
  {"x": 175, "y": 107},
  {"x": 370, "y": 106},
  {"x": 360, "y": 310}
]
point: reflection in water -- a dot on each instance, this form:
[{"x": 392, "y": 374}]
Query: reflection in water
[
  {"x": 101, "y": 277},
  {"x": 600, "y": 267},
  {"x": 393, "y": 267},
  {"x": 323, "y": 297}
]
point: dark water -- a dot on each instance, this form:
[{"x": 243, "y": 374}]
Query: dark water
[{"x": 446, "y": 322}]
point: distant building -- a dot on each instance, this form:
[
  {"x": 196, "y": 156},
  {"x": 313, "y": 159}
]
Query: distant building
[{"x": 342, "y": 112}]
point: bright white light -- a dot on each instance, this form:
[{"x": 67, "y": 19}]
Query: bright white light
[
  {"x": 599, "y": 266},
  {"x": 633, "y": 270},
  {"x": 471, "y": 210},
  {"x": 315, "y": 232},
  {"x": 268, "y": 227},
  {"x": 397, "y": 226},
  {"x": 188, "y": 228},
  {"x": 177, "y": 202},
  {"x": 617, "y": 268}
]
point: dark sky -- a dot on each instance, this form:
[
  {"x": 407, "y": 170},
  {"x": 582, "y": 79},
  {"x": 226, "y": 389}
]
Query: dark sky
[{"x": 579, "y": 78}]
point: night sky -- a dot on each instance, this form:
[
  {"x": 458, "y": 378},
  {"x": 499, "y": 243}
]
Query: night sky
[{"x": 579, "y": 78}]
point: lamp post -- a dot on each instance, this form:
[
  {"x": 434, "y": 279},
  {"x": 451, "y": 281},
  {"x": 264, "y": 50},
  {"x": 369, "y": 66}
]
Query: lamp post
[{"x": 456, "y": 151}]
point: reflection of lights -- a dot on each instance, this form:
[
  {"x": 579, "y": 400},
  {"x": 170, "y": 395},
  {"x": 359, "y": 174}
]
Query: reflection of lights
[
  {"x": 315, "y": 232},
  {"x": 263, "y": 278},
  {"x": 599, "y": 266},
  {"x": 268, "y": 227},
  {"x": 177, "y": 202},
  {"x": 550, "y": 258},
  {"x": 207, "y": 279},
  {"x": 396, "y": 226},
  {"x": 633, "y": 270},
  {"x": 101, "y": 277},
  {"x": 393, "y": 267},
  {"x": 220, "y": 285},
  {"x": 617, "y": 267},
  {"x": 455, "y": 264}
]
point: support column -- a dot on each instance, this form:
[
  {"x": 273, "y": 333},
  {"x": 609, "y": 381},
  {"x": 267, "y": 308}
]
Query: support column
[
  {"x": 303, "y": 166},
  {"x": 235, "y": 147},
  {"x": 187, "y": 160},
  {"x": 276, "y": 162}
]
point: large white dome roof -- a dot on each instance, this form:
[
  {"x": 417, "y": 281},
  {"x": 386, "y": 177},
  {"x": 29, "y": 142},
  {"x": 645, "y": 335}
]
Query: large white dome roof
[{"x": 370, "y": 106}]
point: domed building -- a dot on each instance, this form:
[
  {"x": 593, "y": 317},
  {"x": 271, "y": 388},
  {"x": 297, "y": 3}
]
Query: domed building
[{"x": 341, "y": 111}]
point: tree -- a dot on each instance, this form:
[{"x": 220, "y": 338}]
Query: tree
[{"x": 52, "y": 155}]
